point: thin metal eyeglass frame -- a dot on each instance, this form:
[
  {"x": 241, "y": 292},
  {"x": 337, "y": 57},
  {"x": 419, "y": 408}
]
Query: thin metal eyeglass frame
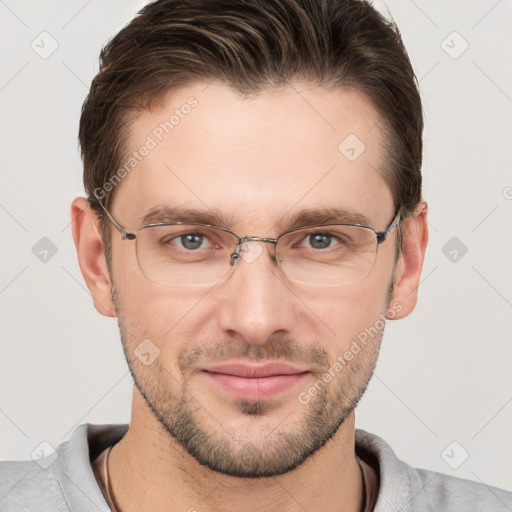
[{"x": 381, "y": 236}]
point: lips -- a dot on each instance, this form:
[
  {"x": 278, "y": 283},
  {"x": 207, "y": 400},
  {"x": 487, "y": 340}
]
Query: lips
[{"x": 254, "y": 382}]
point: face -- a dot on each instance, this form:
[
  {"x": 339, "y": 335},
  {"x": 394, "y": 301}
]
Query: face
[{"x": 254, "y": 374}]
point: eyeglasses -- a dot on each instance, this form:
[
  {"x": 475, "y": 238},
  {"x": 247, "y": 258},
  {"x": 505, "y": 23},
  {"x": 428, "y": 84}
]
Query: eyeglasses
[{"x": 179, "y": 254}]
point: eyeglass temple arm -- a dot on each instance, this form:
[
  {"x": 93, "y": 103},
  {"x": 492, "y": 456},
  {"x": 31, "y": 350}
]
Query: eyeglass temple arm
[
  {"x": 383, "y": 235},
  {"x": 124, "y": 233}
]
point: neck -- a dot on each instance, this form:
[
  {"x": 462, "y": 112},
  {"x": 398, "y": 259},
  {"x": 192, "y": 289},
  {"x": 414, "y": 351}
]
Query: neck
[{"x": 148, "y": 471}]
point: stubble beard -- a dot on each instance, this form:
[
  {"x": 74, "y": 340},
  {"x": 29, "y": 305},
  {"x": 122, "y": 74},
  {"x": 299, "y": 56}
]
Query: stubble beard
[{"x": 196, "y": 427}]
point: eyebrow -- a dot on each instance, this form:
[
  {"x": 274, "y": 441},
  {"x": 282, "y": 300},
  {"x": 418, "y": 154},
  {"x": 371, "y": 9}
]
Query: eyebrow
[{"x": 317, "y": 216}]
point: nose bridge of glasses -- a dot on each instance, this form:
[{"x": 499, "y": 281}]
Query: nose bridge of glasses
[
  {"x": 257, "y": 239},
  {"x": 242, "y": 241}
]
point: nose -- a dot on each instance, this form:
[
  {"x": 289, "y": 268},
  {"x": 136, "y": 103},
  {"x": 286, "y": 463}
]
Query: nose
[{"x": 257, "y": 301}]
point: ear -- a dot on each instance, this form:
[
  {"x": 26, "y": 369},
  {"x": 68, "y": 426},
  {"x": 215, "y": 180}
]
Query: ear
[
  {"x": 408, "y": 269},
  {"x": 91, "y": 255}
]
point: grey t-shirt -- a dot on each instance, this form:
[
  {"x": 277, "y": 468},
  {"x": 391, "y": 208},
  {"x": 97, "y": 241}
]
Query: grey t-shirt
[{"x": 64, "y": 480}]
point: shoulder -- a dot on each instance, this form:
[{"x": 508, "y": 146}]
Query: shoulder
[
  {"x": 453, "y": 494},
  {"x": 408, "y": 489},
  {"x": 27, "y": 486},
  {"x": 62, "y": 480}
]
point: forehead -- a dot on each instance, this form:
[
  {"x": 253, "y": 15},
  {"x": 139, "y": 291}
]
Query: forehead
[{"x": 256, "y": 160}]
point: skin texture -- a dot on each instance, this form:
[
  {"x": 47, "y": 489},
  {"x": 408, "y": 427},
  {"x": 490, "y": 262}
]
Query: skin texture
[{"x": 191, "y": 443}]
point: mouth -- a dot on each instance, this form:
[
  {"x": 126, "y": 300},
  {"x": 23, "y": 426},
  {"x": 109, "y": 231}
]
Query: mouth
[{"x": 254, "y": 382}]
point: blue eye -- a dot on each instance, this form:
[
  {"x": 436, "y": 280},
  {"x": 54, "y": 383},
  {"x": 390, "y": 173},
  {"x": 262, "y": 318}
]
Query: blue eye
[
  {"x": 186, "y": 241},
  {"x": 320, "y": 240},
  {"x": 191, "y": 241}
]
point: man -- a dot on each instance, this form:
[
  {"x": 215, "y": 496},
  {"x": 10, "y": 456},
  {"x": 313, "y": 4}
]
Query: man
[{"x": 254, "y": 216}]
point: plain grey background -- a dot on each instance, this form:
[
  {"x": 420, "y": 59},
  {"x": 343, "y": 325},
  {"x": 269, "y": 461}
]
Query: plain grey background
[{"x": 442, "y": 391}]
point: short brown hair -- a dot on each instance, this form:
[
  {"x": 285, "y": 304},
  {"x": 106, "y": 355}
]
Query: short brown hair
[{"x": 252, "y": 46}]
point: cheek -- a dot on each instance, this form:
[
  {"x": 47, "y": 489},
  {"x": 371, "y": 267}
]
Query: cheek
[
  {"x": 150, "y": 306},
  {"x": 168, "y": 316},
  {"x": 337, "y": 317}
]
